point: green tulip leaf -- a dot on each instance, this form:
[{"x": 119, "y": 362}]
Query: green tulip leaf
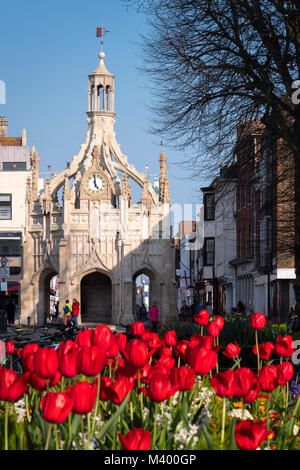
[{"x": 111, "y": 422}]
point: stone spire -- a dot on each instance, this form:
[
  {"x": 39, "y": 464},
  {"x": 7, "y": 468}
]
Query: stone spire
[
  {"x": 146, "y": 196},
  {"x": 67, "y": 194},
  {"x": 164, "y": 186},
  {"x": 35, "y": 174},
  {"x": 47, "y": 199}
]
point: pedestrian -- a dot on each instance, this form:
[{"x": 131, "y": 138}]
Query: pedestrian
[
  {"x": 143, "y": 313},
  {"x": 10, "y": 310},
  {"x": 184, "y": 311},
  {"x": 67, "y": 309},
  {"x": 153, "y": 314},
  {"x": 75, "y": 311}
]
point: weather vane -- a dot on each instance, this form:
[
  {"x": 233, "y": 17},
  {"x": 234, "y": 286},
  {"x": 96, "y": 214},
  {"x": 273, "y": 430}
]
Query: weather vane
[{"x": 100, "y": 33}]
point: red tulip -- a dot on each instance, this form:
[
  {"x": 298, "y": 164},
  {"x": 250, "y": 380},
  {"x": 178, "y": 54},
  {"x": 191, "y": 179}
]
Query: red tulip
[
  {"x": 68, "y": 364},
  {"x": 84, "y": 338},
  {"x": 219, "y": 321},
  {"x": 136, "y": 353},
  {"x": 166, "y": 360},
  {"x": 27, "y": 355},
  {"x": 128, "y": 371},
  {"x": 40, "y": 384},
  {"x": 268, "y": 378},
  {"x": 284, "y": 346},
  {"x": 137, "y": 328},
  {"x": 10, "y": 347},
  {"x": 12, "y": 385},
  {"x": 243, "y": 380},
  {"x": 202, "y": 317},
  {"x": 56, "y": 407},
  {"x": 67, "y": 347},
  {"x": 90, "y": 360},
  {"x": 249, "y": 434},
  {"x": 258, "y": 320},
  {"x": 285, "y": 372},
  {"x": 160, "y": 369},
  {"x": 183, "y": 377},
  {"x": 232, "y": 350},
  {"x": 164, "y": 350},
  {"x": 113, "y": 351},
  {"x": 253, "y": 391},
  {"x": 121, "y": 340},
  {"x": 46, "y": 362},
  {"x": 84, "y": 396},
  {"x": 160, "y": 388},
  {"x": 213, "y": 329},
  {"x": 145, "y": 372},
  {"x": 136, "y": 439},
  {"x": 181, "y": 348},
  {"x": 222, "y": 383},
  {"x": 118, "y": 391},
  {"x": 102, "y": 337},
  {"x": 170, "y": 338},
  {"x": 202, "y": 360},
  {"x": 204, "y": 341},
  {"x": 147, "y": 335},
  {"x": 153, "y": 340},
  {"x": 265, "y": 350},
  {"x": 105, "y": 384}
]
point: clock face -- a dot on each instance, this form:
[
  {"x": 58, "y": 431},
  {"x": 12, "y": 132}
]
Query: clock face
[{"x": 95, "y": 184}]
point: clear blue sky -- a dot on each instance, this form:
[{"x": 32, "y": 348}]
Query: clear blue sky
[{"x": 47, "y": 51}]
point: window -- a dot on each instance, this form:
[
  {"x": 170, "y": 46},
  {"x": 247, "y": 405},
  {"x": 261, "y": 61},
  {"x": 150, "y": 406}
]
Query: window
[
  {"x": 209, "y": 206},
  {"x": 5, "y": 206},
  {"x": 14, "y": 166},
  {"x": 209, "y": 251}
]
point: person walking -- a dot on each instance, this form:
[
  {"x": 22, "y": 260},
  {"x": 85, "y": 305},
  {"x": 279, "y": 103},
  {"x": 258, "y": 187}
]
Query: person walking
[
  {"x": 143, "y": 313},
  {"x": 153, "y": 314},
  {"x": 75, "y": 311},
  {"x": 10, "y": 310},
  {"x": 184, "y": 312},
  {"x": 67, "y": 309}
]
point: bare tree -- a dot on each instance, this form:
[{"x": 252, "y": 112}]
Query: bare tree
[{"x": 212, "y": 62}]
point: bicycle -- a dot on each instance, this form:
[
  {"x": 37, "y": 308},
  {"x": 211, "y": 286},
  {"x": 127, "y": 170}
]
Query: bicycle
[{"x": 67, "y": 332}]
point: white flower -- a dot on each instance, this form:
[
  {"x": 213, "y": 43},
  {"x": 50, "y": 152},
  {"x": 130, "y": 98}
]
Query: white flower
[
  {"x": 295, "y": 430},
  {"x": 238, "y": 413}
]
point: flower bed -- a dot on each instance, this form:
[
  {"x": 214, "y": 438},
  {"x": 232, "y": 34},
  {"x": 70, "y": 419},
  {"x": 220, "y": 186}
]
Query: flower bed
[{"x": 106, "y": 392}]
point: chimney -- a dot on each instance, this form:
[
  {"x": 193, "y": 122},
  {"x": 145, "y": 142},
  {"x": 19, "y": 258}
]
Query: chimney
[{"x": 3, "y": 126}]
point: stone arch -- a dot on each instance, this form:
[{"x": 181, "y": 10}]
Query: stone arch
[
  {"x": 43, "y": 294},
  {"x": 154, "y": 288},
  {"x": 96, "y": 296}
]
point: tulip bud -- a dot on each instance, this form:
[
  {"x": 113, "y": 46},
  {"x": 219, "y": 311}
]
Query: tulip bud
[
  {"x": 258, "y": 321},
  {"x": 136, "y": 439},
  {"x": 10, "y": 347}
]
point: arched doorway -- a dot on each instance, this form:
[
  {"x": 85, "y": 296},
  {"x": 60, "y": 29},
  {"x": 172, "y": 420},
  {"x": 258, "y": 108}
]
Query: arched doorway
[
  {"x": 96, "y": 298},
  {"x": 48, "y": 302},
  {"x": 143, "y": 283}
]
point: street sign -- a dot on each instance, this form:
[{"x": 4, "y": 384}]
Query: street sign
[
  {"x": 3, "y": 261},
  {"x": 3, "y": 286},
  {"x": 4, "y": 272}
]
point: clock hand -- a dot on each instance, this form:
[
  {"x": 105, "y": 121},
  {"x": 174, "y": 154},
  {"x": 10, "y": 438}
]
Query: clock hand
[{"x": 95, "y": 182}]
